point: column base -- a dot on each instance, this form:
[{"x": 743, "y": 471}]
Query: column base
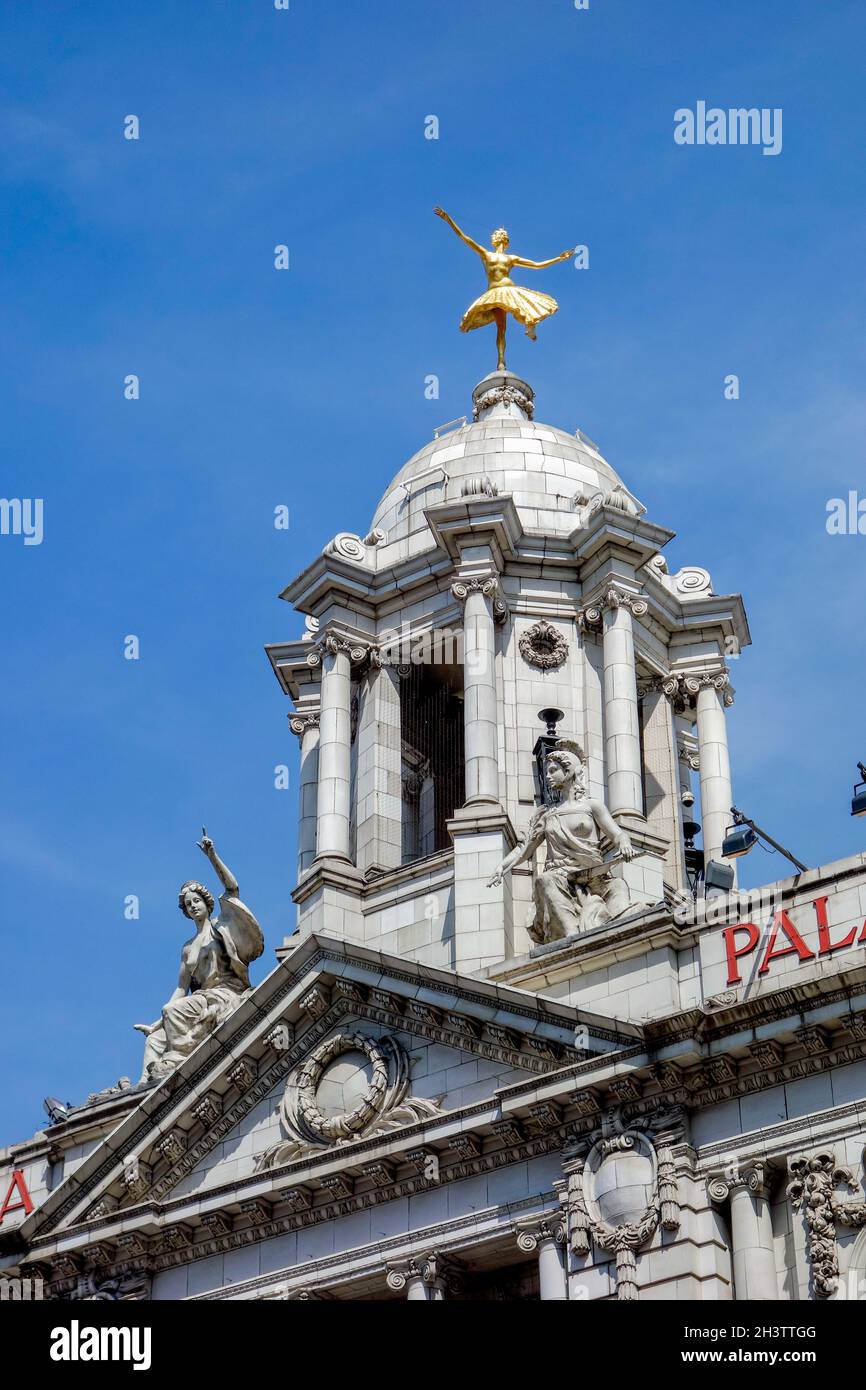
[
  {"x": 329, "y": 900},
  {"x": 482, "y": 835}
]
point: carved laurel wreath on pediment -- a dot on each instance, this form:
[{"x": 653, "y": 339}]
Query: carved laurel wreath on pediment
[
  {"x": 383, "y": 1106},
  {"x": 542, "y": 645}
]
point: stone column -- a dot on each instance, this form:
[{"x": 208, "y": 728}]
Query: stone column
[
  {"x": 752, "y": 1251},
  {"x": 545, "y": 1235},
  {"x": 378, "y": 793},
  {"x": 479, "y": 689},
  {"x": 663, "y": 796},
  {"x": 333, "y": 802},
  {"x": 711, "y": 700},
  {"x": 621, "y": 725},
  {"x": 306, "y": 726}
]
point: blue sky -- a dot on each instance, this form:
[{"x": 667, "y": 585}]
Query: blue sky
[{"x": 306, "y": 388}]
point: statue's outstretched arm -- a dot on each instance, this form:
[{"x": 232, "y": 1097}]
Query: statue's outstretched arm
[
  {"x": 527, "y": 847},
  {"x": 227, "y": 878},
  {"x": 440, "y": 212},
  {"x": 542, "y": 265}
]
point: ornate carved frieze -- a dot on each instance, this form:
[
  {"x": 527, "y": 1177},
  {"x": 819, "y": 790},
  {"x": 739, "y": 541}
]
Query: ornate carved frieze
[
  {"x": 172, "y": 1146},
  {"x": 316, "y": 1000},
  {"x": 216, "y": 1223},
  {"x": 103, "y": 1208},
  {"x": 257, "y": 1212},
  {"x": 544, "y": 646},
  {"x": 503, "y": 395},
  {"x": 208, "y": 1108},
  {"x": 768, "y": 1052},
  {"x": 136, "y": 1176},
  {"x": 131, "y": 1287},
  {"x": 242, "y": 1074},
  {"x": 813, "y": 1190}
]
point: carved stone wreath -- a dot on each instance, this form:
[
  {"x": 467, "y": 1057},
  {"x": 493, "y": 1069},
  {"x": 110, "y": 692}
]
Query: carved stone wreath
[
  {"x": 332, "y": 1128},
  {"x": 543, "y": 646},
  {"x": 383, "y": 1106}
]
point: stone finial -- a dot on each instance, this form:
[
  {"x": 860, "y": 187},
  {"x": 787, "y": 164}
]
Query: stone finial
[{"x": 503, "y": 395}]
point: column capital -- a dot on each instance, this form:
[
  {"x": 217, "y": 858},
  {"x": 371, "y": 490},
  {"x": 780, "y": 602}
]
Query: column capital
[
  {"x": 432, "y": 1269},
  {"x": 684, "y": 687},
  {"x": 616, "y": 597},
  {"x": 590, "y": 616},
  {"x": 301, "y": 723},
  {"x": 486, "y": 584},
  {"x": 335, "y": 642},
  {"x": 753, "y": 1174},
  {"x": 530, "y": 1231}
]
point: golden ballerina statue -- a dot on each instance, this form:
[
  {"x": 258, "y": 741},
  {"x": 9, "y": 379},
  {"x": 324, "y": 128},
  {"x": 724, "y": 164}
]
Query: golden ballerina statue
[{"x": 502, "y": 296}]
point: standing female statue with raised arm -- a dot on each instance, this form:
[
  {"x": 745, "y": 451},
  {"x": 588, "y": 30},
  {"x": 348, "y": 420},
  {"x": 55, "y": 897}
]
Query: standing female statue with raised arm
[
  {"x": 502, "y": 296},
  {"x": 213, "y": 977}
]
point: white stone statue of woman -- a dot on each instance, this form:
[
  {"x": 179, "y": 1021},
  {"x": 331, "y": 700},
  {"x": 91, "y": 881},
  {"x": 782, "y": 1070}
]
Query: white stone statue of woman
[
  {"x": 575, "y": 890},
  {"x": 214, "y": 975}
]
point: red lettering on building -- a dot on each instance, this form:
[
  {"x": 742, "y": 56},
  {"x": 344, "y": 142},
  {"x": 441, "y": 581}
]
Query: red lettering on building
[
  {"x": 796, "y": 944},
  {"x": 825, "y": 946},
  {"x": 731, "y": 951},
  {"x": 17, "y": 1184}
]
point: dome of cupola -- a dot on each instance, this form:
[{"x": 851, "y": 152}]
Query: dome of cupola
[{"x": 550, "y": 473}]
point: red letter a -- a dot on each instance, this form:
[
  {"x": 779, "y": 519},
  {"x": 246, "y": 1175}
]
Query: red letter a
[
  {"x": 8, "y": 1205},
  {"x": 796, "y": 943}
]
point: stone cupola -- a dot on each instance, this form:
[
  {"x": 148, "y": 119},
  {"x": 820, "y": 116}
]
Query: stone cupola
[{"x": 507, "y": 568}]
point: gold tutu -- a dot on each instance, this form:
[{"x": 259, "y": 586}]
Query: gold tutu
[{"x": 529, "y": 307}]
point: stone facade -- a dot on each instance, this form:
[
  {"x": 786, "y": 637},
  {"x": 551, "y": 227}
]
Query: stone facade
[{"x": 422, "y": 1100}]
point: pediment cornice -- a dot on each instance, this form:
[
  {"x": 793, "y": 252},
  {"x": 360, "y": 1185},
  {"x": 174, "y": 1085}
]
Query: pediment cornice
[{"x": 177, "y": 1122}]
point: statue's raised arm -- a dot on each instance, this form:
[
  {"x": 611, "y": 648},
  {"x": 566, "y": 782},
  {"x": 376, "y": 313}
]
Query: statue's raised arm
[
  {"x": 440, "y": 212},
  {"x": 214, "y": 969}
]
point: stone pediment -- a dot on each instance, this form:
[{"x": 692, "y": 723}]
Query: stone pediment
[{"x": 339, "y": 1051}]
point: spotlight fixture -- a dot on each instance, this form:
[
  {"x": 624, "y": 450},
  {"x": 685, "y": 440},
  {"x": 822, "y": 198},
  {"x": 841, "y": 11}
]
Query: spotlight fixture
[
  {"x": 543, "y": 745},
  {"x": 744, "y": 834},
  {"x": 718, "y": 878},
  {"x": 738, "y": 840},
  {"x": 858, "y": 801},
  {"x": 56, "y": 1111}
]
